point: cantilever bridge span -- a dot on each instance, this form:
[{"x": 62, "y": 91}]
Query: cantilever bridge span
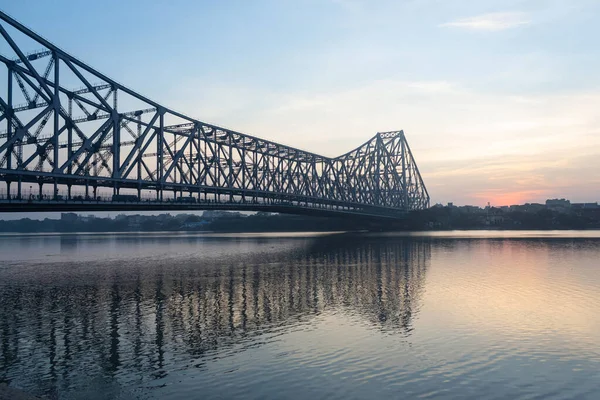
[{"x": 73, "y": 139}]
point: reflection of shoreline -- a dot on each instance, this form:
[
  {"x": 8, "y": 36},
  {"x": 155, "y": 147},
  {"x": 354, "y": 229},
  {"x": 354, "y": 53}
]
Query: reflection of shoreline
[
  {"x": 468, "y": 233},
  {"x": 141, "y": 319}
]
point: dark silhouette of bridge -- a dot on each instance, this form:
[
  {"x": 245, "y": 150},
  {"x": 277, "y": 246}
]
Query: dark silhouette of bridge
[{"x": 67, "y": 144}]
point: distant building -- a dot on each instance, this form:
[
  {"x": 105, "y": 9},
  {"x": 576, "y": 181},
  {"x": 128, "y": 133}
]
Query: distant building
[
  {"x": 470, "y": 209},
  {"x": 562, "y": 205},
  {"x": 86, "y": 218},
  {"x": 494, "y": 216},
  {"x": 163, "y": 217},
  {"x": 216, "y": 214},
  {"x": 528, "y": 207},
  {"x": 68, "y": 217},
  {"x": 494, "y": 219},
  {"x": 585, "y": 206},
  {"x": 134, "y": 222}
]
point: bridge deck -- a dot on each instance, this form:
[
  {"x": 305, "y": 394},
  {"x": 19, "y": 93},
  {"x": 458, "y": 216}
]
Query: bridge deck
[{"x": 49, "y": 205}]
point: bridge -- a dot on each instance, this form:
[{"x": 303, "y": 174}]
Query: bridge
[{"x": 72, "y": 139}]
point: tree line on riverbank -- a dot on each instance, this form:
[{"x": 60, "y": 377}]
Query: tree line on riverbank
[{"x": 435, "y": 218}]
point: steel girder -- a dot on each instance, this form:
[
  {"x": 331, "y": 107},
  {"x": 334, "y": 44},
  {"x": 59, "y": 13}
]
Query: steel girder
[{"x": 62, "y": 136}]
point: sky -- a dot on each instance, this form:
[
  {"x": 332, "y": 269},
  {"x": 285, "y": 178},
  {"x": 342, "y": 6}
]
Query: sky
[{"x": 498, "y": 98}]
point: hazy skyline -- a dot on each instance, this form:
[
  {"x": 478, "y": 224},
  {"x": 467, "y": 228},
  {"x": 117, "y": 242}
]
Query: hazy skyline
[{"x": 498, "y": 99}]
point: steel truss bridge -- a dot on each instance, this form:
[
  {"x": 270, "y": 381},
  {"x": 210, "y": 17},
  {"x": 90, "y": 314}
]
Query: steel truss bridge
[{"x": 66, "y": 143}]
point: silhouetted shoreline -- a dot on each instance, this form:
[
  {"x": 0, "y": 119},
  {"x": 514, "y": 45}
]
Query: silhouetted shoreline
[{"x": 435, "y": 218}]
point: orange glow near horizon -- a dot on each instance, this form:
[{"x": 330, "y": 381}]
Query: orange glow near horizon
[{"x": 499, "y": 198}]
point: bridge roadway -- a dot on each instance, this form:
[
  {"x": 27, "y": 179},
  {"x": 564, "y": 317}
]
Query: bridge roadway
[{"x": 49, "y": 204}]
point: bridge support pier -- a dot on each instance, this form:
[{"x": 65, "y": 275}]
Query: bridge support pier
[
  {"x": 68, "y": 192},
  {"x": 40, "y": 186},
  {"x": 19, "y": 189},
  {"x": 8, "y": 189}
]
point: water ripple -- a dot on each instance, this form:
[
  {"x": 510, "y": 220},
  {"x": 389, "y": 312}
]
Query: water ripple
[{"x": 339, "y": 316}]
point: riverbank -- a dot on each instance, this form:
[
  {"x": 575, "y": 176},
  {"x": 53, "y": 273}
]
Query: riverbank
[{"x": 435, "y": 218}]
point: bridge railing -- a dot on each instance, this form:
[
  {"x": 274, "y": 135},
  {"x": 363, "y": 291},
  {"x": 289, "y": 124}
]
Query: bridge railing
[{"x": 45, "y": 201}]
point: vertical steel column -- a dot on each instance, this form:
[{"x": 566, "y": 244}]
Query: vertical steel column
[
  {"x": 175, "y": 163},
  {"x": 95, "y": 164},
  {"x": 313, "y": 180},
  {"x": 217, "y": 167},
  {"x": 9, "y": 115},
  {"x": 230, "y": 169},
  {"x": 70, "y": 141},
  {"x": 70, "y": 134},
  {"x": 116, "y": 147},
  {"x": 277, "y": 171},
  {"x": 207, "y": 167},
  {"x": 190, "y": 163},
  {"x": 244, "y": 172},
  {"x": 139, "y": 151},
  {"x": 56, "y": 104},
  {"x": 377, "y": 171},
  {"x": 254, "y": 173},
  {"x": 405, "y": 188},
  {"x": 159, "y": 150},
  {"x": 197, "y": 131},
  {"x": 198, "y": 183}
]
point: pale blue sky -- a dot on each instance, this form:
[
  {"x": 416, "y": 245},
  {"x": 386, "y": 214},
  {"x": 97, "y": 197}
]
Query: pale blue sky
[{"x": 499, "y": 99}]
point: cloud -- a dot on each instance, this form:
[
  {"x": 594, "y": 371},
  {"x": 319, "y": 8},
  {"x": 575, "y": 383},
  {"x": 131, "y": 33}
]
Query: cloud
[{"x": 490, "y": 22}]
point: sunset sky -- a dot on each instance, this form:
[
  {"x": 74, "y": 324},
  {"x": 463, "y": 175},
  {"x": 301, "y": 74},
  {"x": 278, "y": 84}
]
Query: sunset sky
[{"x": 499, "y": 99}]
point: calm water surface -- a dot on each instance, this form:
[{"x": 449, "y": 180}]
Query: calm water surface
[{"x": 342, "y": 316}]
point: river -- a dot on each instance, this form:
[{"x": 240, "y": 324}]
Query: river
[{"x": 465, "y": 315}]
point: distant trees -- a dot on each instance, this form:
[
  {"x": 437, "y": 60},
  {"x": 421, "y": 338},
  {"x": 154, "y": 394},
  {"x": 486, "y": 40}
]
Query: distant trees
[
  {"x": 495, "y": 218},
  {"x": 435, "y": 218}
]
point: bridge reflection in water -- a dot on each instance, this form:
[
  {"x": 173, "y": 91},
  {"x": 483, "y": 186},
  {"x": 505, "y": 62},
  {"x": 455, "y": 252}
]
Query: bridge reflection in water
[{"x": 136, "y": 318}]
